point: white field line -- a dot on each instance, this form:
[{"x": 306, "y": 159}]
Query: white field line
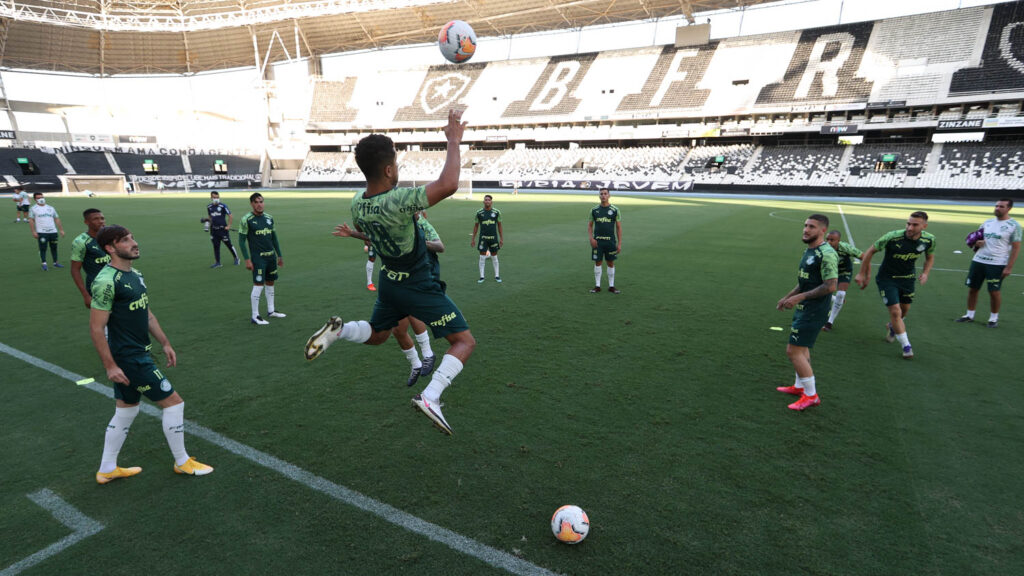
[
  {"x": 81, "y": 528},
  {"x": 849, "y": 237},
  {"x": 457, "y": 542}
]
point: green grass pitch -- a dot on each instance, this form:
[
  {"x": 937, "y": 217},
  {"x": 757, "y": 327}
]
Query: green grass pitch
[{"x": 655, "y": 410}]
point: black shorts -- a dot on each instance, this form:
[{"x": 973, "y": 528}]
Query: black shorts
[
  {"x": 989, "y": 274},
  {"x": 143, "y": 378},
  {"x": 220, "y": 235}
]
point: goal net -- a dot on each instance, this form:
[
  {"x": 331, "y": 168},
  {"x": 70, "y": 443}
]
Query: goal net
[{"x": 73, "y": 183}]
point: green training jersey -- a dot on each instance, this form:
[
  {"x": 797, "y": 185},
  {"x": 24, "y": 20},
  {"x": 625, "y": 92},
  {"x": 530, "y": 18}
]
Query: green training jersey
[
  {"x": 256, "y": 235},
  {"x": 123, "y": 294},
  {"x": 84, "y": 249},
  {"x": 604, "y": 219},
  {"x": 387, "y": 219},
  {"x": 488, "y": 221},
  {"x": 430, "y": 235},
  {"x": 846, "y": 253},
  {"x": 817, "y": 265},
  {"x": 901, "y": 253}
]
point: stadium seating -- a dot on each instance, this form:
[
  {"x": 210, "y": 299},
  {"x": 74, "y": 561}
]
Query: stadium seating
[
  {"x": 132, "y": 164},
  {"x": 89, "y": 163},
  {"x": 331, "y": 99},
  {"x": 797, "y": 166}
]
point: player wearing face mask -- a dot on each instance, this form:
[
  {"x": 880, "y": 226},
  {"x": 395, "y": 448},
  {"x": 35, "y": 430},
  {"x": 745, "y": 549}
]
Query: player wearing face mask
[
  {"x": 45, "y": 223},
  {"x": 219, "y": 224}
]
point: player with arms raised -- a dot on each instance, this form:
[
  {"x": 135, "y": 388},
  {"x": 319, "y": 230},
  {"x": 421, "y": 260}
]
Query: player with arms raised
[
  {"x": 384, "y": 214},
  {"x": 898, "y": 272}
]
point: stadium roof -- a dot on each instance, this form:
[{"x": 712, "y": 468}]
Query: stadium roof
[{"x": 110, "y": 37}]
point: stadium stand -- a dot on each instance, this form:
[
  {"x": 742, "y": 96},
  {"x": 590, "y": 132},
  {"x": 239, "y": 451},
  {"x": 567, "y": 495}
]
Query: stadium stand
[
  {"x": 87, "y": 162},
  {"x": 331, "y": 99},
  {"x": 204, "y": 163},
  {"x": 132, "y": 164},
  {"x": 797, "y": 165},
  {"x": 986, "y": 166}
]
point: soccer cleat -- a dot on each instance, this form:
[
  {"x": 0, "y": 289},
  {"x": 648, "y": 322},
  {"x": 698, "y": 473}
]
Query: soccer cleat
[
  {"x": 890, "y": 335},
  {"x": 104, "y": 477},
  {"x": 964, "y": 318},
  {"x": 827, "y": 327},
  {"x": 323, "y": 338},
  {"x": 428, "y": 365},
  {"x": 215, "y": 265},
  {"x": 497, "y": 279},
  {"x": 993, "y": 323},
  {"x": 414, "y": 375},
  {"x": 432, "y": 411},
  {"x": 44, "y": 267},
  {"x": 908, "y": 352},
  {"x": 258, "y": 320},
  {"x": 277, "y": 314},
  {"x": 193, "y": 467},
  {"x": 614, "y": 290},
  {"x": 371, "y": 287},
  {"x": 58, "y": 265},
  {"x": 805, "y": 402},
  {"x": 595, "y": 289},
  {"x": 790, "y": 390},
  {"x": 481, "y": 280},
  {"x": 236, "y": 261}
]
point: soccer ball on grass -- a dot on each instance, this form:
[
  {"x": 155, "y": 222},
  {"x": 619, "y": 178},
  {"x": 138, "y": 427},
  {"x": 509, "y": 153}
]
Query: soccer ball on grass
[{"x": 570, "y": 524}]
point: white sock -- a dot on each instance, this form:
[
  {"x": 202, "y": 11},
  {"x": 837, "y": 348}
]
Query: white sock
[
  {"x": 369, "y": 272},
  {"x": 837, "y": 305},
  {"x": 424, "y": 341},
  {"x": 412, "y": 357},
  {"x": 483, "y": 259},
  {"x": 117, "y": 431},
  {"x": 993, "y": 317},
  {"x": 443, "y": 376},
  {"x": 494, "y": 261},
  {"x": 270, "y": 299},
  {"x": 904, "y": 341},
  {"x": 970, "y": 314},
  {"x": 796, "y": 381},
  {"x": 611, "y": 277},
  {"x": 357, "y": 331},
  {"x": 255, "y": 298},
  {"x": 597, "y": 276},
  {"x": 174, "y": 431},
  {"x": 808, "y": 385}
]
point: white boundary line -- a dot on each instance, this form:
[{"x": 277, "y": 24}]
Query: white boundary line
[
  {"x": 849, "y": 237},
  {"x": 81, "y": 528},
  {"x": 457, "y": 542}
]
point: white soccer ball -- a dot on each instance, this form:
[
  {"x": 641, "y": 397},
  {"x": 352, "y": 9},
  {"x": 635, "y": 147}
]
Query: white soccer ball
[
  {"x": 570, "y": 524},
  {"x": 457, "y": 41}
]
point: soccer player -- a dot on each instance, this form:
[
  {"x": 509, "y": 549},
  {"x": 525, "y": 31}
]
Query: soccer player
[
  {"x": 220, "y": 225},
  {"x": 120, "y": 306},
  {"x": 896, "y": 275},
  {"x": 371, "y": 257},
  {"x": 22, "y": 203},
  {"x": 45, "y": 222},
  {"x": 86, "y": 254},
  {"x": 993, "y": 261},
  {"x": 816, "y": 281},
  {"x": 846, "y": 253},
  {"x": 421, "y": 368},
  {"x": 492, "y": 237},
  {"x": 407, "y": 286},
  {"x": 605, "y": 232},
  {"x": 256, "y": 234}
]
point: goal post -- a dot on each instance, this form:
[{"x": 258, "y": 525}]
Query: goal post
[
  {"x": 466, "y": 183},
  {"x": 73, "y": 183}
]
